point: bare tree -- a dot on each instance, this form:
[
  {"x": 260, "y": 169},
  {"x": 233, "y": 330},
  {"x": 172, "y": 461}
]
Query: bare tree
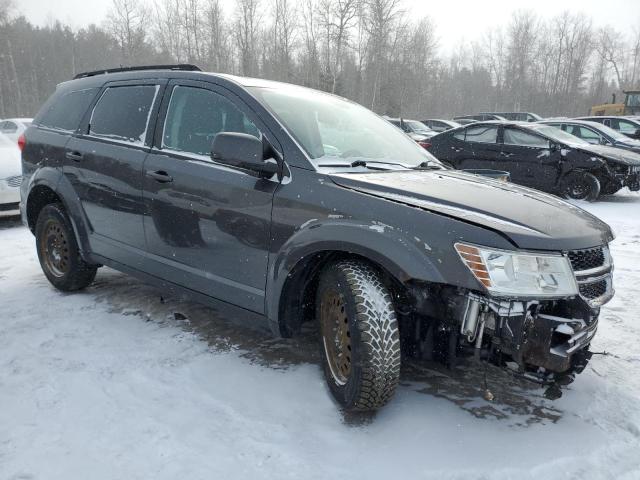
[
  {"x": 125, "y": 21},
  {"x": 609, "y": 48},
  {"x": 247, "y": 29}
]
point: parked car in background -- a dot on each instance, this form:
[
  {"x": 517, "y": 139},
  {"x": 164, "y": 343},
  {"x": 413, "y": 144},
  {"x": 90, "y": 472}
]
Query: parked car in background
[
  {"x": 480, "y": 117},
  {"x": 629, "y": 126},
  {"x": 596, "y": 133},
  {"x": 14, "y": 127},
  {"x": 540, "y": 156},
  {"x": 516, "y": 116},
  {"x": 10, "y": 177},
  {"x": 279, "y": 204},
  {"x": 418, "y": 131},
  {"x": 465, "y": 121},
  {"x": 438, "y": 125}
]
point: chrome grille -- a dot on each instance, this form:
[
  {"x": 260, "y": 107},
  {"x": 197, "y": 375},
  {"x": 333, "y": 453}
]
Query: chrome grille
[
  {"x": 587, "y": 259},
  {"x": 593, "y": 290},
  {"x": 14, "y": 181},
  {"x": 592, "y": 268}
]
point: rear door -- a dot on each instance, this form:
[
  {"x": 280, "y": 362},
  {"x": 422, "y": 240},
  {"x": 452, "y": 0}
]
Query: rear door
[
  {"x": 480, "y": 147},
  {"x": 207, "y": 224},
  {"x": 104, "y": 164},
  {"x": 529, "y": 159}
]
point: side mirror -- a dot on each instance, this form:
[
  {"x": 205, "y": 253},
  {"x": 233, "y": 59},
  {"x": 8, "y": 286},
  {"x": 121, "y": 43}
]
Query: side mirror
[
  {"x": 243, "y": 151},
  {"x": 554, "y": 147}
]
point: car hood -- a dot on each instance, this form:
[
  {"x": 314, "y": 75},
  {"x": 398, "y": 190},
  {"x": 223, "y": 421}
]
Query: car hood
[
  {"x": 619, "y": 155},
  {"x": 528, "y": 218}
]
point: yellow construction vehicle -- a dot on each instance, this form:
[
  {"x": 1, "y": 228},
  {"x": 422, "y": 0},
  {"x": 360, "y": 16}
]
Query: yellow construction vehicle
[{"x": 631, "y": 105}]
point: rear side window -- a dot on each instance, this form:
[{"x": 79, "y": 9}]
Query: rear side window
[
  {"x": 513, "y": 136},
  {"x": 482, "y": 134},
  {"x": 122, "y": 113},
  {"x": 196, "y": 115},
  {"x": 66, "y": 111}
]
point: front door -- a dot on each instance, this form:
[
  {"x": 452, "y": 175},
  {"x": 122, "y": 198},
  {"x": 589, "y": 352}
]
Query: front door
[
  {"x": 207, "y": 225},
  {"x": 529, "y": 159},
  {"x": 104, "y": 164}
]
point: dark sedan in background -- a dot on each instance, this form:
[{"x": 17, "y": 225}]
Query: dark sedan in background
[
  {"x": 517, "y": 116},
  {"x": 540, "y": 156},
  {"x": 438, "y": 125},
  {"x": 480, "y": 117},
  {"x": 416, "y": 130}
]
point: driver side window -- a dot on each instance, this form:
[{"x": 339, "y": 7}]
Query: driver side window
[{"x": 196, "y": 115}]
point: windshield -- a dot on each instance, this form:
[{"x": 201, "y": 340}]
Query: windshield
[
  {"x": 554, "y": 133},
  {"x": 633, "y": 99},
  {"x": 337, "y": 132}
]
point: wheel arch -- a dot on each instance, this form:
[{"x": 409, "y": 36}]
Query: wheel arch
[
  {"x": 296, "y": 299},
  {"x": 293, "y": 274},
  {"x": 51, "y": 187}
]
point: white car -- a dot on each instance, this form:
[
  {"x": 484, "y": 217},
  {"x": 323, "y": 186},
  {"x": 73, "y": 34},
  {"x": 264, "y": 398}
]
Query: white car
[
  {"x": 10, "y": 177},
  {"x": 14, "y": 127}
]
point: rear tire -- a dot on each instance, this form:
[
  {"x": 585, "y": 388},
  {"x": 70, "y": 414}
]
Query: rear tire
[
  {"x": 359, "y": 336},
  {"x": 58, "y": 251},
  {"x": 581, "y": 186}
]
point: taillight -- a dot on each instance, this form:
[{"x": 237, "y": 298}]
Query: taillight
[
  {"x": 22, "y": 141},
  {"x": 424, "y": 145}
]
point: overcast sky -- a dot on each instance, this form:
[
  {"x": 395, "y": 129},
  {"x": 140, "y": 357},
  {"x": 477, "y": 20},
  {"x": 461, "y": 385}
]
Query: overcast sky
[{"x": 456, "y": 21}]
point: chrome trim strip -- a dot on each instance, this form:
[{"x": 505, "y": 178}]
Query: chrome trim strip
[
  {"x": 592, "y": 271},
  {"x": 589, "y": 280}
]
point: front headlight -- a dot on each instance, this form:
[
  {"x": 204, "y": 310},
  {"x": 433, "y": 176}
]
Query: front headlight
[{"x": 507, "y": 273}]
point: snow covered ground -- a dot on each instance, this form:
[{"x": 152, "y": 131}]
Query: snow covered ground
[{"x": 113, "y": 383}]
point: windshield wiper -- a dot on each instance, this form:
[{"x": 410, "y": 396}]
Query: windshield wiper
[
  {"x": 428, "y": 165},
  {"x": 367, "y": 163}
]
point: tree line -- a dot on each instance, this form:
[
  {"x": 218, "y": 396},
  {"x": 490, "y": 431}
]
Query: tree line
[{"x": 370, "y": 51}]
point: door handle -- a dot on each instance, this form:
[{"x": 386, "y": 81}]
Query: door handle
[
  {"x": 75, "y": 156},
  {"x": 160, "y": 176}
]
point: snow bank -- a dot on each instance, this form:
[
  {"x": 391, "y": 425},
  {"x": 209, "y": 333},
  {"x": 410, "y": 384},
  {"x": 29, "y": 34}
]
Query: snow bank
[{"x": 113, "y": 383}]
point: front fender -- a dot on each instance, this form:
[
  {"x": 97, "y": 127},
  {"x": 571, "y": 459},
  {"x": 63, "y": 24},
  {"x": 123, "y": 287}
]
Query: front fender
[{"x": 402, "y": 257}]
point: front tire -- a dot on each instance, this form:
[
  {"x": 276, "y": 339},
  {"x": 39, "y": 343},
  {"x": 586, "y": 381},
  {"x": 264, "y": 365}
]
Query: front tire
[
  {"x": 360, "y": 337},
  {"x": 581, "y": 186},
  {"x": 58, "y": 251}
]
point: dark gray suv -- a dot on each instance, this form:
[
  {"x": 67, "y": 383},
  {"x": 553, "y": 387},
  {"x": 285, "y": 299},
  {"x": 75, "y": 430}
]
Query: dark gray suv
[{"x": 281, "y": 204}]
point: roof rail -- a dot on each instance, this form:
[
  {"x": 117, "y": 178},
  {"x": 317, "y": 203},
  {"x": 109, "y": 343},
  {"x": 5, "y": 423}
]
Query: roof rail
[{"x": 182, "y": 66}]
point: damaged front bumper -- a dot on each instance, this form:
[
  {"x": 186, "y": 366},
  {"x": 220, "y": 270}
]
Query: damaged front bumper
[{"x": 540, "y": 336}]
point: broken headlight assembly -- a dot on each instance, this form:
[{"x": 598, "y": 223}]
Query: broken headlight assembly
[{"x": 518, "y": 274}]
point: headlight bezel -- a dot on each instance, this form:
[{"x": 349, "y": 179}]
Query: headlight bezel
[{"x": 474, "y": 257}]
